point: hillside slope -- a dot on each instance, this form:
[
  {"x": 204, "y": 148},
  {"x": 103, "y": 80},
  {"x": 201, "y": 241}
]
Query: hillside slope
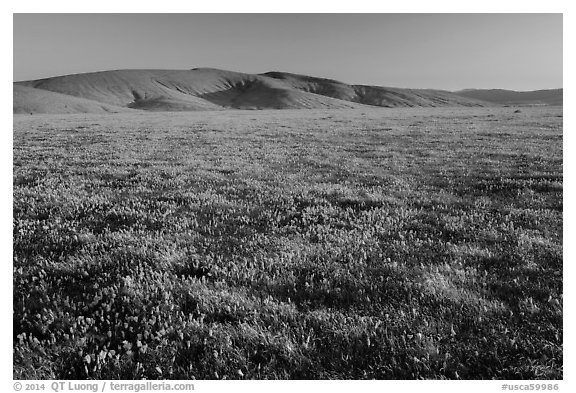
[
  {"x": 30, "y": 100},
  {"x": 373, "y": 95}
]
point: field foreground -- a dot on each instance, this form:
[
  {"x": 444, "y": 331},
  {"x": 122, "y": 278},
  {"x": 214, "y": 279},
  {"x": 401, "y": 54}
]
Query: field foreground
[{"x": 385, "y": 243}]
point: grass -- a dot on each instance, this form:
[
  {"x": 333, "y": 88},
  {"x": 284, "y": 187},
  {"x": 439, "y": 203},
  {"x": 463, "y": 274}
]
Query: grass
[{"x": 386, "y": 243}]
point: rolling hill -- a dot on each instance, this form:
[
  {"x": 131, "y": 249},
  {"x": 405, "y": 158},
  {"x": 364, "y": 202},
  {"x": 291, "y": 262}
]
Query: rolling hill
[
  {"x": 510, "y": 97},
  {"x": 373, "y": 95},
  {"x": 202, "y": 89}
]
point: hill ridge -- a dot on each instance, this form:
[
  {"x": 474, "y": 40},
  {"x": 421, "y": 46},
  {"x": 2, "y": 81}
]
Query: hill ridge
[{"x": 205, "y": 88}]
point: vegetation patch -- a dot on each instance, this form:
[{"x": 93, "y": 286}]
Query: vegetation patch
[{"x": 382, "y": 243}]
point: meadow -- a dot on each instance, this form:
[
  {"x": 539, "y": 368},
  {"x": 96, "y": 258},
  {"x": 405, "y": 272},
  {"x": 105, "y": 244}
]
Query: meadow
[{"x": 289, "y": 244}]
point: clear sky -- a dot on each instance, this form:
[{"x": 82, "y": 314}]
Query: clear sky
[{"x": 446, "y": 51}]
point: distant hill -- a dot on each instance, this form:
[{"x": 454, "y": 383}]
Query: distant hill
[
  {"x": 211, "y": 89},
  {"x": 510, "y": 97}
]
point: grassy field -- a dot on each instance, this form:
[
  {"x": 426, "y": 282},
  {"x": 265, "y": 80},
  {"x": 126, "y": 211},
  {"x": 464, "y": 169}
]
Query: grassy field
[{"x": 385, "y": 243}]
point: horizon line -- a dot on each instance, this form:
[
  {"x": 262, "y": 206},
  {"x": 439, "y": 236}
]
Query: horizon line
[{"x": 286, "y": 72}]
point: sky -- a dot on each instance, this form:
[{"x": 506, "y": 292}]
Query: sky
[{"x": 443, "y": 51}]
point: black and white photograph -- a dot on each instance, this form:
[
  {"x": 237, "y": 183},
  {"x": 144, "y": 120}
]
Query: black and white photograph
[{"x": 287, "y": 196}]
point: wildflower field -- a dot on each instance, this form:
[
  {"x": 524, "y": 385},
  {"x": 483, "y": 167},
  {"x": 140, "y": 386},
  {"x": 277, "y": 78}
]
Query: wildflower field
[{"x": 350, "y": 244}]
